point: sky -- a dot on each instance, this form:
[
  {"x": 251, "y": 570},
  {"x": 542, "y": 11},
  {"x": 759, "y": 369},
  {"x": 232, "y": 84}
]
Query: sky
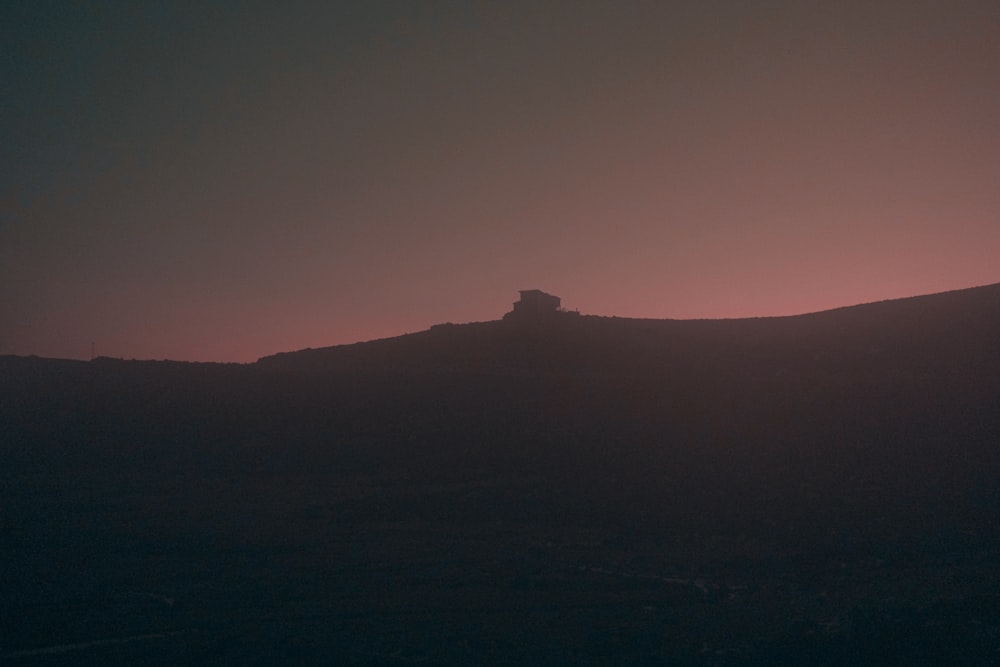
[{"x": 220, "y": 181}]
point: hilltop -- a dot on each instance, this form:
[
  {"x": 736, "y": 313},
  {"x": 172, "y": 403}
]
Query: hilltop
[{"x": 906, "y": 335}]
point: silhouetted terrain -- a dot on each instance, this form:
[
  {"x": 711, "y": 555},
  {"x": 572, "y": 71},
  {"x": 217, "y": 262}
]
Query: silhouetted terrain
[{"x": 818, "y": 489}]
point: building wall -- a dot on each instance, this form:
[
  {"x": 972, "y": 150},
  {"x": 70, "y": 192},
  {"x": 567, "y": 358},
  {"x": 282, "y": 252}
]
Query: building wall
[{"x": 536, "y": 301}]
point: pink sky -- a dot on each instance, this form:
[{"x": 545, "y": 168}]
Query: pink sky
[{"x": 226, "y": 184}]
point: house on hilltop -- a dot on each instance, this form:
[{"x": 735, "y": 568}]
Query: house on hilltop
[{"x": 534, "y": 303}]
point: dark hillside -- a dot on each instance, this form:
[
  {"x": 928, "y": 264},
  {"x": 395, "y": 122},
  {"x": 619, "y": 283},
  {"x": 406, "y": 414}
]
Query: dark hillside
[{"x": 818, "y": 489}]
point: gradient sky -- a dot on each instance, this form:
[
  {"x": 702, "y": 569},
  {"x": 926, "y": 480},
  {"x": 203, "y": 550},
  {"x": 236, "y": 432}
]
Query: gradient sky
[{"x": 221, "y": 181}]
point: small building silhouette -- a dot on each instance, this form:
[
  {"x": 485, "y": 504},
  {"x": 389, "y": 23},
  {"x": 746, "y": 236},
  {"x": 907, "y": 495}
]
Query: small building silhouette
[{"x": 534, "y": 303}]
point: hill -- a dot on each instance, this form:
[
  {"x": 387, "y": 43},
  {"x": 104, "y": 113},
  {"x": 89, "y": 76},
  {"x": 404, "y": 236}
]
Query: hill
[
  {"x": 935, "y": 330},
  {"x": 812, "y": 489}
]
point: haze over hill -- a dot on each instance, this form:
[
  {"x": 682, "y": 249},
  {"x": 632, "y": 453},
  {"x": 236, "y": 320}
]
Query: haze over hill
[{"x": 218, "y": 181}]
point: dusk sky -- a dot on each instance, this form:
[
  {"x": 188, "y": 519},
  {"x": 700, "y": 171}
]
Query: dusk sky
[{"x": 222, "y": 181}]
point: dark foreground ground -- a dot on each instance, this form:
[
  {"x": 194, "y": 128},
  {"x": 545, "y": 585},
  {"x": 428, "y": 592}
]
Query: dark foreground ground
[
  {"x": 742, "y": 513},
  {"x": 368, "y": 570}
]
